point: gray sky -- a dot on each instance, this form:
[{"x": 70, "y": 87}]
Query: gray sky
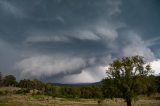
[{"x": 71, "y": 41}]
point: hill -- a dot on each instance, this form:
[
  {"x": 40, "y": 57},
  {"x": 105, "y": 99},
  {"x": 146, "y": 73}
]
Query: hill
[{"x": 78, "y": 84}]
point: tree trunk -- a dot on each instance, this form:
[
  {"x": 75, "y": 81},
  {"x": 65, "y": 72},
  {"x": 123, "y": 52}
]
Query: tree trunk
[{"x": 128, "y": 102}]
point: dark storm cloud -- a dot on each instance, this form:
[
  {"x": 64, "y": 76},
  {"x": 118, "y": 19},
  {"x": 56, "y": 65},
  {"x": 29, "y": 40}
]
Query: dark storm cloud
[
  {"x": 146, "y": 15},
  {"x": 61, "y": 40}
]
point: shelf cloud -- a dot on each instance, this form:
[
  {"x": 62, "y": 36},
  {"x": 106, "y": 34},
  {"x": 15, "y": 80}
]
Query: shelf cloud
[{"x": 72, "y": 41}]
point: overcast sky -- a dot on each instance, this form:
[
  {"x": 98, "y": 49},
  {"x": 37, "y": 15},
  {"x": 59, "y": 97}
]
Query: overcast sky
[{"x": 71, "y": 41}]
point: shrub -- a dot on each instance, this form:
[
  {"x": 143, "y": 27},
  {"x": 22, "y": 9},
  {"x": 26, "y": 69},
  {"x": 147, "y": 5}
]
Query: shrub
[{"x": 23, "y": 91}]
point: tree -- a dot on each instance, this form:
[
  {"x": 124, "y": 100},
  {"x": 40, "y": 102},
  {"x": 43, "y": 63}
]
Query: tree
[
  {"x": 50, "y": 90},
  {"x": 0, "y": 79},
  {"x": 158, "y": 83},
  {"x": 9, "y": 80},
  {"x": 127, "y": 78},
  {"x": 38, "y": 84},
  {"x": 26, "y": 84}
]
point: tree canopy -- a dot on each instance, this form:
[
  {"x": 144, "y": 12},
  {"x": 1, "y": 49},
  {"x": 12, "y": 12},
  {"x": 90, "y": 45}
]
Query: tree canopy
[
  {"x": 9, "y": 80},
  {"x": 127, "y": 78}
]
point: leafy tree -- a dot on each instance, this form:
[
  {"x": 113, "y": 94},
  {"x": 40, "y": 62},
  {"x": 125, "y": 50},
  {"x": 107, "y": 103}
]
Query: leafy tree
[
  {"x": 50, "y": 90},
  {"x": 151, "y": 85},
  {"x": 109, "y": 88},
  {"x": 0, "y": 79},
  {"x": 86, "y": 92},
  {"x": 158, "y": 83},
  {"x": 26, "y": 84},
  {"x": 127, "y": 78},
  {"x": 9, "y": 80},
  {"x": 90, "y": 92},
  {"x": 38, "y": 84}
]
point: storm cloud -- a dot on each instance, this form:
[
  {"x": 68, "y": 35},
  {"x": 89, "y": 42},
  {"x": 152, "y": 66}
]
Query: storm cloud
[{"x": 72, "y": 41}]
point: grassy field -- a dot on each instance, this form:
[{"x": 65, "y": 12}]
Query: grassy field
[{"x": 41, "y": 100}]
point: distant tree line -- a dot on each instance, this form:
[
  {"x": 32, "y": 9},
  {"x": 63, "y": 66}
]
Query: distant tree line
[
  {"x": 126, "y": 78},
  {"x": 38, "y": 87},
  {"x": 104, "y": 90}
]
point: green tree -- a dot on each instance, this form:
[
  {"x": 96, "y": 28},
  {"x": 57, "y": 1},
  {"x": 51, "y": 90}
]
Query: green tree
[
  {"x": 25, "y": 83},
  {"x": 158, "y": 83},
  {"x": 38, "y": 84},
  {"x": 0, "y": 79},
  {"x": 9, "y": 80},
  {"x": 50, "y": 90},
  {"x": 90, "y": 92},
  {"x": 127, "y": 78}
]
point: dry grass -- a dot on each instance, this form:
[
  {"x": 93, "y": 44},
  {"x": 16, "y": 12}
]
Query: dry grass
[
  {"x": 9, "y": 88},
  {"x": 41, "y": 100}
]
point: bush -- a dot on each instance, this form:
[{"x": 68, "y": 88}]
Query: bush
[
  {"x": 23, "y": 91},
  {"x": 1, "y": 93}
]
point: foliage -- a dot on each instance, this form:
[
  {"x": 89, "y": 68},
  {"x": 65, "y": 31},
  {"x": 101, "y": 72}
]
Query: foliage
[
  {"x": 90, "y": 92},
  {"x": 26, "y": 84},
  {"x": 127, "y": 78},
  {"x": 0, "y": 79},
  {"x": 50, "y": 90},
  {"x": 9, "y": 80},
  {"x": 23, "y": 91},
  {"x": 158, "y": 83}
]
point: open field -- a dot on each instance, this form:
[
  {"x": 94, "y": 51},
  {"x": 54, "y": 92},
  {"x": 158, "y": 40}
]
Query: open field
[{"x": 41, "y": 100}]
